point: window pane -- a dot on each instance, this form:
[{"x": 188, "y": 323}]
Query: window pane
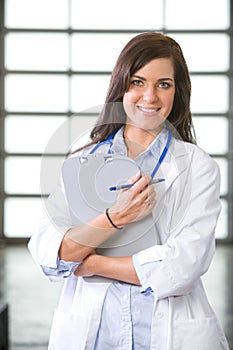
[
  {"x": 36, "y": 51},
  {"x": 22, "y": 216},
  {"x": 31, "y": 134},
  {"x": 223, "y": 166},
  {"x": 214, "y": 49},
  {"x": 217, "y": 140},
  {"x": 103, "y": 14},
  {"x": 198, "y": 14},
  {"x": 88, "y": 91},
  {"x": 36, "y": 93},
  {"x": 105, "y": 58},
  {"x": 37, "y": 13},
  {"x": 210, "y": 94},
  {"x": 222, "y": 226},
  {"x": 28, "y": 175}
]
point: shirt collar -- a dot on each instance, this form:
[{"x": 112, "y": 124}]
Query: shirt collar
[{"x": 155, "y": 148}]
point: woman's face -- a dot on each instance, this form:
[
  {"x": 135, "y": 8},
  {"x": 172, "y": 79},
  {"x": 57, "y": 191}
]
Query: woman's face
[{"x": 149, "y": 99}]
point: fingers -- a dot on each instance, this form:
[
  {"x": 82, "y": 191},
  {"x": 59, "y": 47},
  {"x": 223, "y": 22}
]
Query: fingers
[
  {"x": 147, "y": 197},
  {"x": 145, "y": 193},
  {"x": 151, "y": 201},
  {"x": 141, "y": 183},
  {"x": 135, "y": 178},
  {"x": 142, "y": 193},
  {"x": 136, "y": 202},
  {"x": 141, "y": 190}
]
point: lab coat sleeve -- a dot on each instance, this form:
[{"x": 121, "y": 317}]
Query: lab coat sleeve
[
  {"x": 45, "y": 243},
  {"x": 189, "y": 249},
  {"x": 142, "y": 271}
]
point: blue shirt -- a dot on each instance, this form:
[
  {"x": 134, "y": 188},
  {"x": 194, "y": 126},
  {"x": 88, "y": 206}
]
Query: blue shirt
[
  {"x": 125, "y": 319},
  {"x": 127, "y": 310}
]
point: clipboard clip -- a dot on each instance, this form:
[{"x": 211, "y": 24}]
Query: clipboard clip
[
  {"x": 83, "y": 160},
  {"x": 108, "y": 159}
]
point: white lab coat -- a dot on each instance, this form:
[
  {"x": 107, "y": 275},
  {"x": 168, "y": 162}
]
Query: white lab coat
[{"x": 185, "y": 219}]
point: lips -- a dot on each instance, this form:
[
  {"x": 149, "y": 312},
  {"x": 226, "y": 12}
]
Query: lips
[{"x": 148, "y": 110}]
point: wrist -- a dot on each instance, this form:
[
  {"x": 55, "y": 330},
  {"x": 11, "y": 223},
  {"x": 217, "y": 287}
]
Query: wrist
[
  {"x": 117, "y": 217},
  {"x": 92, "y": 263},
  {"x": 112, "y": 221}
]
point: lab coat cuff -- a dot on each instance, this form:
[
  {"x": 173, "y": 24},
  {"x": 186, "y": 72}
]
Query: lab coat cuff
[{"x": 142, "y": 273}]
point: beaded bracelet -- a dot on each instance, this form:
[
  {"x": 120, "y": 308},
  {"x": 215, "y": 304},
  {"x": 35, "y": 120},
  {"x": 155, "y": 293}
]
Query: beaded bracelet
[{"x": 110, "y": 220}]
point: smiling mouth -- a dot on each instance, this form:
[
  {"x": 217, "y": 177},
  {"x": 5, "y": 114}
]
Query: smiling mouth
[{"x": 149, "y": 110}]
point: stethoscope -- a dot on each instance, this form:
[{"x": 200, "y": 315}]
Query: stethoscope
[
  {"x": 108, "y": 140},
  {"x": 160, "y": 160}
]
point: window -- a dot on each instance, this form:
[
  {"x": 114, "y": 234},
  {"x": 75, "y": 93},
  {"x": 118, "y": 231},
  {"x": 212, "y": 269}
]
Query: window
[{"x": 57, "y": 63}]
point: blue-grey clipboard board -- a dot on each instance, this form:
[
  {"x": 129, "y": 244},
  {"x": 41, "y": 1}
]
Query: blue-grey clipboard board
[{"x": 87, "y": 180}]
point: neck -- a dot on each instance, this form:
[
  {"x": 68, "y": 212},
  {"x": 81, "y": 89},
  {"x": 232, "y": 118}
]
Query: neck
[{"x": 138, "y": 140}]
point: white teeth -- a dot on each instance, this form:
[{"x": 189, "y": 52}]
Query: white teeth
[{"x": 148, "y": 110}]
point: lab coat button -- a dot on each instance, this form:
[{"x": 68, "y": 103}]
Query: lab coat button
[{"x": 159, "y": 314}]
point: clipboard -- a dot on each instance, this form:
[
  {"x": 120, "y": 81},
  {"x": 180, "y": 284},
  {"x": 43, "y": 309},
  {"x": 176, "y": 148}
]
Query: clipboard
[{"x": 87, "y": 180}]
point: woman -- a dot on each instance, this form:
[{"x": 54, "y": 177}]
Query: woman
[{"x": 153, "y": 298}]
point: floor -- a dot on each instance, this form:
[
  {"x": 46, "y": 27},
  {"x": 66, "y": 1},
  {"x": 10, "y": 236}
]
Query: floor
[{"x": 32, "y": 298}]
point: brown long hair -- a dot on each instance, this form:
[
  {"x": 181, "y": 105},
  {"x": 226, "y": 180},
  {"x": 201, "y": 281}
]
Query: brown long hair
[{"x": 137, "y": 53}]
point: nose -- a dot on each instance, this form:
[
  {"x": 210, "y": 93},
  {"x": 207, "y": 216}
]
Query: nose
[{"x": 150, "y": 95}]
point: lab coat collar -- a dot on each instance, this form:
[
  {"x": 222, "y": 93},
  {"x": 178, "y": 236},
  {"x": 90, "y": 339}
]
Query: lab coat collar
[{"x": 179, "y": 148}]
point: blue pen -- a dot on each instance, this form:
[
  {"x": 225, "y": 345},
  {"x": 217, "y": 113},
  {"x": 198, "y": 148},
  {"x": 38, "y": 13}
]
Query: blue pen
[{"x": 125, "y": 186}]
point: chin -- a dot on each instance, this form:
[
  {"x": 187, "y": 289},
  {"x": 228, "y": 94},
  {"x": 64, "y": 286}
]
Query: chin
[{"x": 151, "y": 125}]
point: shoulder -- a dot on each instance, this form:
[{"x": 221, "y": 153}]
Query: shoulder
[
  {"x": 192, "y": 150},
  {"x": 199, "y": 158}
]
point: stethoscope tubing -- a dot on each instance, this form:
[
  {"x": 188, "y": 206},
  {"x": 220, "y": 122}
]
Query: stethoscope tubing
[{"x": 161, "y": 158}]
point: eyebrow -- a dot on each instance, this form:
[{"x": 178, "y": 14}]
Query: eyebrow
[{"x": 160, "y": 79}]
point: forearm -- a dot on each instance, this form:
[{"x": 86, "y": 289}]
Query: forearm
[
  {"x": 79, "y": 242},
  {"x": 118, "y": 268},
  {"x": 131, "y": 206}
]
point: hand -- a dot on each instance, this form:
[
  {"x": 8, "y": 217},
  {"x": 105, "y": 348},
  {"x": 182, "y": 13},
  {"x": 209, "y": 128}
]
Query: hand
[
  {"x": 135, "y": 203},
  {"x": 85, "y": 269}
]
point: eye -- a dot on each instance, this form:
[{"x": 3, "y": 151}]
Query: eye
[
  {"x": 164, "y": 85},
  {"x": 136, "y": 82}
]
